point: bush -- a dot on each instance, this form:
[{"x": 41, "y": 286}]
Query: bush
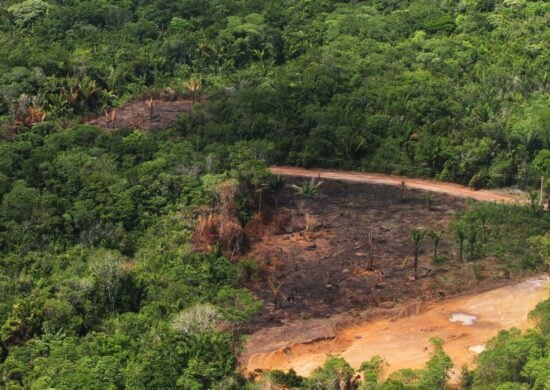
[
  {"x": 439, "y": 260},
  {"x": 336, "y": 373}
]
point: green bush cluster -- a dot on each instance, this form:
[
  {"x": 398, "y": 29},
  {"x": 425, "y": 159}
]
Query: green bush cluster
[
  {"x": 97, "y": 271},
  {"x": 516, "y": 235}
]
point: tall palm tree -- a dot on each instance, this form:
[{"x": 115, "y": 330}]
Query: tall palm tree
[
  {"x": 460, "y": 231},
  {"x": 472, "y": 236},
  {"x": 417, "y": 236},
  {"x": 194, "y": 86},
  {"x": 436, "y": 239}
]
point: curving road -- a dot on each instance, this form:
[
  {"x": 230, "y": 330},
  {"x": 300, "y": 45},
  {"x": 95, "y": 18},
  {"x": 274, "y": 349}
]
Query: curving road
[{"x": 420, "y": 184}]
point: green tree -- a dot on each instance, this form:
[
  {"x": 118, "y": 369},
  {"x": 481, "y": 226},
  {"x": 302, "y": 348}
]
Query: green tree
[
  {"x": 28, "y": 11},
  {"x": 107, "y": 267},
  {"x": 460, "y": 231},
  {"x": 335, "y": 374},
  {"x": 417, "y": 237},
  {"x": 436, "y": 239},
  {"x": 436, "y": 374},
  {"x": 372, "y": 371}
]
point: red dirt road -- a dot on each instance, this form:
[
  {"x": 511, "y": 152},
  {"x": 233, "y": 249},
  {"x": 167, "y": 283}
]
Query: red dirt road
[{"x": 420, "y": 184}]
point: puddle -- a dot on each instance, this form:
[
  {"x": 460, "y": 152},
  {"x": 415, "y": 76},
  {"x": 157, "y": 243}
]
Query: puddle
[
  {"x": 477, "y": 349},
  {"x": 465, "y": 319}
]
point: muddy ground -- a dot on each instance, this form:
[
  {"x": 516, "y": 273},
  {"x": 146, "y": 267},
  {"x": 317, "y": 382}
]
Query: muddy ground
[
  {"x": 323, "y": 270},
  {"x": 464, "y": 324}
]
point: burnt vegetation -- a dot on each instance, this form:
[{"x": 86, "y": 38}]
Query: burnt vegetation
[{"x": 141, "y": 234}]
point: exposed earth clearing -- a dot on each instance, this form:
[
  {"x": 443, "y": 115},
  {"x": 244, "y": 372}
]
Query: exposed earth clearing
[
  {"x": 404, "y": 342},
  {"x": 139, "y": 115},
  {"x": 314, "y": 254}
]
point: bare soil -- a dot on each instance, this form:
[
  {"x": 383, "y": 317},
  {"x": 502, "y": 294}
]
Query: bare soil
[
  {"x": 323, "y": 269},
  {"x": 404, "y": 342},
  {"x": 137, "y": 115},
  {"x": 313, "y": 257}
]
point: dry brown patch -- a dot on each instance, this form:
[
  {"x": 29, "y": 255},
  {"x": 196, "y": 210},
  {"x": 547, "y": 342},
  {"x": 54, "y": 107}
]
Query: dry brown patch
[{"x": 143, "y": 114}]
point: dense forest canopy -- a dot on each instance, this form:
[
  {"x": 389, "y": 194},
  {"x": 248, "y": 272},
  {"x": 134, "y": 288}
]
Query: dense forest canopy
[
  {"x": 101, "y": 285},
  {"x": 452, "y": 89}
]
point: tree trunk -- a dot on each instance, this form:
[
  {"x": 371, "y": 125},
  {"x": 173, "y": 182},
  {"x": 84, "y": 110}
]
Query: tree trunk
[
  {"x": 415, "y": 264},
  {"x": 260, "y": 202}
]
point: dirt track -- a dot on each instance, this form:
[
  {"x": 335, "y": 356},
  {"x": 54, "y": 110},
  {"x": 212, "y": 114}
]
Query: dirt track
[
  {"x": 404, "y": 342},
  {"x": 420, "y": 184}
]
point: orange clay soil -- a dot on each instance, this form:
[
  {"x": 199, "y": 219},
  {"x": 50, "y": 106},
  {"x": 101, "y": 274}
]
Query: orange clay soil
[
  {"x": 420, "y": 184},
  {"x": 402, "y": 342}
]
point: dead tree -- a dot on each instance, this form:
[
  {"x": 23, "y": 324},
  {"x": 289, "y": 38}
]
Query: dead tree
[{"x": 275, "y": 289}]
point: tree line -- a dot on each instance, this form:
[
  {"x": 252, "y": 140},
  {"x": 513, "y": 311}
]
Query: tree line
[
  {"x": 106, "y": 280},
  {"x": 456, "y": 90}
]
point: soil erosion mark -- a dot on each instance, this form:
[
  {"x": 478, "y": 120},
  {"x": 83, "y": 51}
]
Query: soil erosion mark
[
  {"x": 421, "y": 184},
  {"x": 404, "y": 343}
]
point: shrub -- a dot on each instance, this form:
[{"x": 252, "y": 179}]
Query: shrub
[{"x": 201, "y": 318}]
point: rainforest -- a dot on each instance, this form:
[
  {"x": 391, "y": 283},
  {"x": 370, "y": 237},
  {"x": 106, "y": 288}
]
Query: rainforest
[{"x": 238, "y": 194}]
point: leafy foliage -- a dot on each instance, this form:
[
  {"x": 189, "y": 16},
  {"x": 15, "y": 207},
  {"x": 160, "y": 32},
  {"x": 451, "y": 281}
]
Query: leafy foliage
[
  {"x": 308, "y": 188},
  {"x": 100, "y": 285},
  {"x": 501, "y": 231},
  {"x": 455, "y": 90}
]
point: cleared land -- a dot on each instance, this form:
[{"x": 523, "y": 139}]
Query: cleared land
[
  {"x": 322, "y": 298},
  {"x": 137, "y": 114},
  {"x": 404, "y": 342},
  {"x": 315, "y": 252}
]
